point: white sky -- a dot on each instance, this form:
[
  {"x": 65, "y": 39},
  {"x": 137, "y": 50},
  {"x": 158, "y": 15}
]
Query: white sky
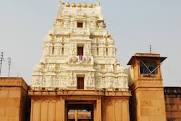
[{"x": 134, "y": 24}]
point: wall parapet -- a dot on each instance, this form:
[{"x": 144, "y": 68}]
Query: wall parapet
[
  {"x": 13, "y": 82},
  {"x": 172, "y": 90}
]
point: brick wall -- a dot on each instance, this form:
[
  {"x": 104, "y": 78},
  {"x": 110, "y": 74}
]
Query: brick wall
[{"x": 173, "y": 103}]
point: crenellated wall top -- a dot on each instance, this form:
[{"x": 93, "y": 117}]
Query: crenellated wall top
[{"x": 79, "y": 5}]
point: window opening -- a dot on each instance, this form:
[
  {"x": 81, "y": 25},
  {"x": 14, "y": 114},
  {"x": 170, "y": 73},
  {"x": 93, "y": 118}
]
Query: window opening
[
  {"x": 148, "y": 67},
  {"x": 53, "y": 50},
  {"x": 106, "y": 51},
  {"x": 62, "y": 50},
  {"x": 80, "y": 52},
  {"x": 97, "y": 51},
  {"x": 80, "y": 82},
  {"x": 79, "y": 24}
]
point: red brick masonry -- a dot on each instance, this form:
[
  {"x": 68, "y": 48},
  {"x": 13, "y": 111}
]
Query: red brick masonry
[{"x": 173, "y": 103}]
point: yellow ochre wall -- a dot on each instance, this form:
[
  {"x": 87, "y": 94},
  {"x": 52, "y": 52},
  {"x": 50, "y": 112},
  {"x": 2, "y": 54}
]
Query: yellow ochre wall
[{"x": 13, "y": 99}]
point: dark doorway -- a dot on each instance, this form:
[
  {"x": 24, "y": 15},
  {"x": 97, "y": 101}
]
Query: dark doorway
[
  {"x": 80, "y": 82},
  {"x": 80, "y": 50},
  {"x": 80, "y": 111}
]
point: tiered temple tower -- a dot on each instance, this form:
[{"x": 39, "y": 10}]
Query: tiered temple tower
[
  {"x": 79, "y": 61},
  {"x": 79, "y": 52},
  {"x": 79, "y": 77}
]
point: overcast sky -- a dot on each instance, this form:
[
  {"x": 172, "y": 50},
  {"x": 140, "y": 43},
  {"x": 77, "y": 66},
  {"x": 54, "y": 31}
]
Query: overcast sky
[{"x": 134, "y": 24}]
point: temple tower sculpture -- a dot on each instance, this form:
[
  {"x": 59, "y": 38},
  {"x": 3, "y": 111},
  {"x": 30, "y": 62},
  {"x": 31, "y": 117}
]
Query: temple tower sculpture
[
  {"x": 79, "y": 52},
  {"x": 78, "y": 77}
]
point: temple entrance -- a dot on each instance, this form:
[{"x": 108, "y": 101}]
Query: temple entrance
[{"x": 79, "y": 111}]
